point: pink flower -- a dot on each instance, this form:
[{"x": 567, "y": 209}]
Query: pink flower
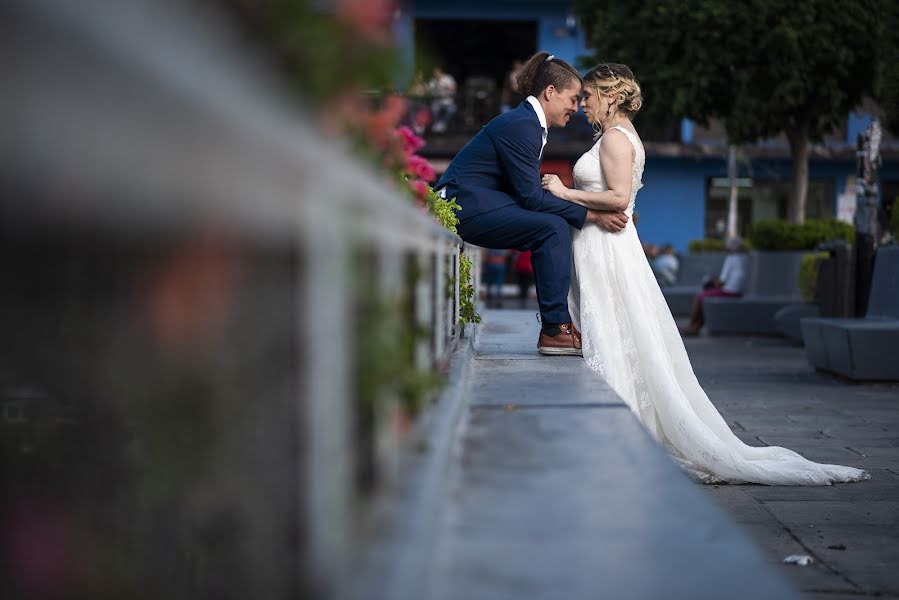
[
  {"x": 381, "y": 124},
  {"x": 421, "y": 119},
  {"x": 411, "y": 142},
  {"x": 420, "y": 188},
  {"x": 421, "y": 168},
  {"x": 372, "y": 19}
]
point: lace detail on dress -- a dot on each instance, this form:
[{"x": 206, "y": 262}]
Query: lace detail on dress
[
  {"x": 631, "y": 340},
  {"x": 588, "y": 173}
]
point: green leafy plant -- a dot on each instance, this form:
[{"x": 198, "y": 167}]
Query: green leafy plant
[
  {"x": 808, "y": 275},
  {"x": 817, "y": 60},
  {"x": 308, "y": 42},
  {"x": 385, "y": 348},
  {"x": 714, "y": 245},
  {"x": 776, "y": 234},
  {"x": 443, "y": 209},
  {"x": 822, "y": 230},
  {"x": 706, "y": 245},
  {"x": 467, "y": 313}
]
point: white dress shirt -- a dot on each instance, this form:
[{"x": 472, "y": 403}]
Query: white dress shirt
[{"x": 541, "y": 116}]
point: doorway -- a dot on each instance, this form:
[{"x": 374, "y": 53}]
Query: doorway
[{"x": 469, "y": 48}]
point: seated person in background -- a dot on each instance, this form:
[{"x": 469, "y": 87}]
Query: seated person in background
[
  {"x": 728, "y": 284},
  {"x": 419, "y": 112},
  {"x": 665, "y": 266},
  {"x": 511, "y": 96},
  {"x": 442, "y": 91}
]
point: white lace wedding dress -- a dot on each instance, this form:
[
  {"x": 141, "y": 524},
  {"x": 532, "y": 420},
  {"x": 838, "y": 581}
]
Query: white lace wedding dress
[{"x": 631, "y": 339}]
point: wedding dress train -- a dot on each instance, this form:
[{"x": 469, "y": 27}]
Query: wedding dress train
[{"x": 632, "y": 341}]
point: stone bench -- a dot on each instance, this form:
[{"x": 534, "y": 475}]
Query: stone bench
[
  {"x": 862, "y": 349},
  {"x": 772, "y": 283},
  {"x": 787, "y": 319},
  {"x": 695, "y": 268}
]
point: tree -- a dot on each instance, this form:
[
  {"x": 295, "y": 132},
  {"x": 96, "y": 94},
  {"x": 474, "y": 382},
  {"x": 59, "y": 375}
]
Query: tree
[
  {"x": 888, "y": 73},
  {"x": 763, "y": 67}
]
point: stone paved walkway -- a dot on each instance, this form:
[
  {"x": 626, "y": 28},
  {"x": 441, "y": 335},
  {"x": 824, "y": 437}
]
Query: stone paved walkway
[{"x": 766, "y": 390}]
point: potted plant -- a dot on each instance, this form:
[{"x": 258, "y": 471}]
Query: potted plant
[{"x": 783, "y": 264}]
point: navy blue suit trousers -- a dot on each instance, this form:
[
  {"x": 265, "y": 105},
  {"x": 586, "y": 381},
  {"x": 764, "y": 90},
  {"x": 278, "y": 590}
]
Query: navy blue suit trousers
[{"x": 495, "y": 179}]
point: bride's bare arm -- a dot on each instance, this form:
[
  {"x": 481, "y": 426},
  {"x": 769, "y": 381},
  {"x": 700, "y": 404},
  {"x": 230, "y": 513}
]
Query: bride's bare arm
[{"x": 616, "y": 158}]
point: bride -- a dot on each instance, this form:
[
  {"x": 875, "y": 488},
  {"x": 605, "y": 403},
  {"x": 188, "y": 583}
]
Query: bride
[{"x": 629, "y": 336}]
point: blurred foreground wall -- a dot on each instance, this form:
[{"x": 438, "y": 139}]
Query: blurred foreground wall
[{"x": 201, "y": 307}]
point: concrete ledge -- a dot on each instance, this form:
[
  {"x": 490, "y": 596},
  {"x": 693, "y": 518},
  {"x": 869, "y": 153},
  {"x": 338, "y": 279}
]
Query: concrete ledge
[
  {"x": 397, "y": 533},
  {"x": 556, "y": 491}
]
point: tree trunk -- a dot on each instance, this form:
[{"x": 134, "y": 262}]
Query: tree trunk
[
  {"x": 732, "y": 202},
  {"x": 799, "y": 147}
]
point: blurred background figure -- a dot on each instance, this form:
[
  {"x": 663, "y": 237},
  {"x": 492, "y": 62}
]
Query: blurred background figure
[
  {"x": 729, "y": 284},
  {"x": 666, "y": 266},
  {"x": 524, "y": 275},
  {"x": 495, "y": 276},
  {"x": 511, "y": 97},
  {"x": 420, "y": 117},
  {"x": 480, "y": 101},
  {"x": 442, "y": 91}
]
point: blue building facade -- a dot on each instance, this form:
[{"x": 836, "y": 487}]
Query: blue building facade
[
  {"x": 684, "y": 194},
  {"x": 554, "y": 27},
  {"x": 679, "y": 201}
]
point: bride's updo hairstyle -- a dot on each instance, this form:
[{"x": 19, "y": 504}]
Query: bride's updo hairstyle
[
  {"x": 543, "y": 70},
  {"x": 614, "y": 78}
]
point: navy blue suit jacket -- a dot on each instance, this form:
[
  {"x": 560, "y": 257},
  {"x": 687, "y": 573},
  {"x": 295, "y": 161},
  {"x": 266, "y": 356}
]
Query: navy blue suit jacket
[{"x": 500, "y": 166}]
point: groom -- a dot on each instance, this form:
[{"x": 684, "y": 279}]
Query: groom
[{"x": 495, "y": 179}]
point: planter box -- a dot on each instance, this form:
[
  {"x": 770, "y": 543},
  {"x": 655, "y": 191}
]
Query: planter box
[{"x": 862, "y": 349}]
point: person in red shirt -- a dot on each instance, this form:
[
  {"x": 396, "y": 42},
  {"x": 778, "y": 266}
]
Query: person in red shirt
[{"x": 524, "y": 273}]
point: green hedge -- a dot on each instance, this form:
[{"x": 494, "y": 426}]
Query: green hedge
[
  {"x": 706, "y": 245},
  {"x": 713, "y": 245},
  {"x": 775, "y": 234}
]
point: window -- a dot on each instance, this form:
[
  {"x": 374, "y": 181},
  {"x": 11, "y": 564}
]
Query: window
[{"x": 762, "y": 199}]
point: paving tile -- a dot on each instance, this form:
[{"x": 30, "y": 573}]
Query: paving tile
[{"x": 828, "y": 420}]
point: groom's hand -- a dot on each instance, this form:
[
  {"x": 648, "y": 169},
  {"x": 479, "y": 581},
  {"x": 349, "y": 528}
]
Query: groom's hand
[{"x": 610, "y": 221}]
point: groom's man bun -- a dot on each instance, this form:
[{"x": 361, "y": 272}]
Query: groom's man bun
[{"x": 543, "y": 70}]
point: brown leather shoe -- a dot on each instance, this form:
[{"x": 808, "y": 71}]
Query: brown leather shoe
[
  {"x": 565, "y": 343},
  {"x": 577, "y": 336}
]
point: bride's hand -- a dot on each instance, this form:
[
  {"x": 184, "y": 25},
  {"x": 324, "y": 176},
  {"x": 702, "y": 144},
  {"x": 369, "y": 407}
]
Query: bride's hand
[{"x": 552, "y": 184}]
